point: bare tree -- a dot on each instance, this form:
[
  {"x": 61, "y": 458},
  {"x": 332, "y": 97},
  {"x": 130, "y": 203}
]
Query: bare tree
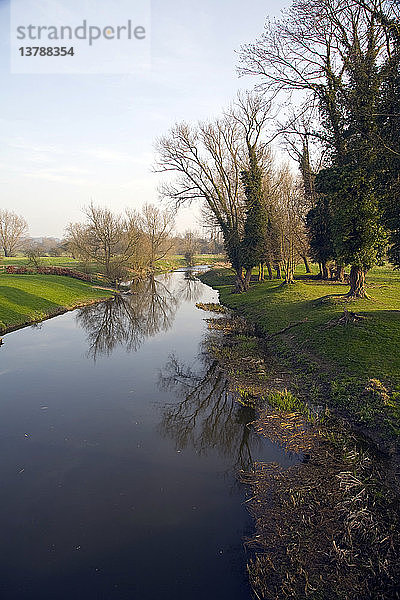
[
  {"x": 109, "y": 240},
  {"x": 288, "y": 211},
  {"x": 190, "y": 246},
  {"x": 157, "y": 226},
  {"x": 33, "y": 253},
  {"x": 310, "y": 51},
  {"x": 12, "y": 230},
  {"x": 209, "y": 159}
]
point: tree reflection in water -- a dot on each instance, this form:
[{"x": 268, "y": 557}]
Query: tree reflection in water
[
  {"x": 128, "y": 320},
  {"x": 190, "y": 288},
  {"x": 206, "y": 414}
]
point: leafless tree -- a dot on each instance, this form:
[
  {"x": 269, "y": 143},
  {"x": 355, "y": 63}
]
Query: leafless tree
[
  {"x": 12, "y": 230},
  {"x": 208, "y": 159},
  {"x": 190, "y": 246},
  {"x": 288, "y": 211},
  {"x": 109, "y": 240},
  {"x": 157, "y": 225},
  {"x": 309, "y": 51}
]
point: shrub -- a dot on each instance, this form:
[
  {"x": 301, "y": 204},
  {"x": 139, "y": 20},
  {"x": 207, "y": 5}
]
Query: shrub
[{"x": 62, "y": 271}]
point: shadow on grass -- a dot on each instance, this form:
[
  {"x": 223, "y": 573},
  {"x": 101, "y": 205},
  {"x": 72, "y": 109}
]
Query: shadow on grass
[
  {"x": 329, "y": 299},
  {"x": 25, "y": 300}
]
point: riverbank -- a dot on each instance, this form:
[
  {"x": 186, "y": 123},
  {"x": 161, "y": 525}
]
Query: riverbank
[
  {"x": 27, "y": 299},
  {"x": 349, "y": 361},
  {"x": 328, "y": 526}
]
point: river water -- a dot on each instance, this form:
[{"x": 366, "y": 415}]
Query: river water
[{"x": 119, "y": 449}]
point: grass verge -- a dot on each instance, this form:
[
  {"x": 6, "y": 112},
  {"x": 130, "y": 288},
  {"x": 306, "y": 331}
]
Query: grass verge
[{"x": 27, "y": 299}]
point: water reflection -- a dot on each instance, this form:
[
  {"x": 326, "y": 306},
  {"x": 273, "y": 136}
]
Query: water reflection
[
  {"x": 190, "y": 288},
  {"x": 205, "y": 414},
  {"x": 127, "y": 320}
]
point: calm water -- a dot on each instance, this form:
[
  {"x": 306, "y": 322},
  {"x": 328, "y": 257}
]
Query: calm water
[{"x": 119, "y": 448}]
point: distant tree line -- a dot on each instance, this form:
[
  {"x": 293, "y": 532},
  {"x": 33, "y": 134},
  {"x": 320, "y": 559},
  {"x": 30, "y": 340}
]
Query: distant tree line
[{"x": 120, "y": 245}]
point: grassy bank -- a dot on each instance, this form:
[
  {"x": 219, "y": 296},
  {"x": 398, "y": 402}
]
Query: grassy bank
[
  {"x": 30, "y": 298},
  {"x": 354, "y": 366}
]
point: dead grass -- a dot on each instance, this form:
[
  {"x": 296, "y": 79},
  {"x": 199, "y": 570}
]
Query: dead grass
[{"x": 325, "y": 528}]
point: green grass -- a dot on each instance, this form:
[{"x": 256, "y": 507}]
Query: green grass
[
  {"x": 174, "y": 261},
  {"x": 47, "y": 261},
  {"x": 29, "y": 298},
  {"x": 177, "y": 261},
  {"x": 346, "y": 356},
  {"x": 53, "y": 261}
]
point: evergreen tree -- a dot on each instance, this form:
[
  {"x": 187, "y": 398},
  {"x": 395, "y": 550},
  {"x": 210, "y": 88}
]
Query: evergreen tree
[
  {"x": 256, "y": 221},
  {"x": 388, "y": 142}
]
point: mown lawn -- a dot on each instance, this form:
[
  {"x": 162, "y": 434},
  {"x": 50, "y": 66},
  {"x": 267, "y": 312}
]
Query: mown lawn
[
  {"x": 348, "y": 356},
  {"x": 27, "y": 298}
]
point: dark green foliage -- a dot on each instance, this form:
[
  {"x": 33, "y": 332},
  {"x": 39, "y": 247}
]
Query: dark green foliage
[
  {"x": 388, "y": 141},
  {"x": 350, "y": 215},
  {"x": 319, "y": 227},
  {"x": 256, "y": 223},
  {"x": 353, "y": 220}
]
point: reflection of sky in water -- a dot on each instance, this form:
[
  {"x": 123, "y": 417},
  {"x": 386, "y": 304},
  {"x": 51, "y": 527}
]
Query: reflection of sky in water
[{"x": 106, "y": 479}]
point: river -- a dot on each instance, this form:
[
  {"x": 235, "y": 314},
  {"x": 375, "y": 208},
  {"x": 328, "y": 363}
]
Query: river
[{"x": 120, "y": 448}]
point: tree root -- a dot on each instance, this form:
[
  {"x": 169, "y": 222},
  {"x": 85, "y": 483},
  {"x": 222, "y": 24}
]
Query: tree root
[
  {"x": 348, "y": 317},
  {"x": 363, "y": 296}
]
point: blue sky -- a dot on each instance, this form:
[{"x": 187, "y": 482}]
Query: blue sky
[{"x": 70, "y": 139}]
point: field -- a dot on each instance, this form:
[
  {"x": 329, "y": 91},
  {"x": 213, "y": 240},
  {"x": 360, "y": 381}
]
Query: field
[
  {"x": 29, "y": 298},
  {"x": 174, "y": 261}
]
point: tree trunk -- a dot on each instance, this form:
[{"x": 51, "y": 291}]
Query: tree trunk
[
  {"x": 269, "y": 269},
  {"x": 307, "y": 266},
  {"x": 289, "y": 276},
  {"x": 325, "y": 272},
  {"x": 247, "y": 279},
  {"x": 239, "y": 282},
  {"x": 261, "y": 271},
  {"x": 357, "y": 283},
  {"x": 340, "y": 273},
  {"x": 278, "y": 271}
]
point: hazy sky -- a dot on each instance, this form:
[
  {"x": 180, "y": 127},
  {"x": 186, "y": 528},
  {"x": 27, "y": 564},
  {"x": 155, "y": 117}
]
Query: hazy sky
[{"x": 69, "y": 139}]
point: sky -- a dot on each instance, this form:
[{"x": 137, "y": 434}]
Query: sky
[{"x": 67, "y": 140}]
